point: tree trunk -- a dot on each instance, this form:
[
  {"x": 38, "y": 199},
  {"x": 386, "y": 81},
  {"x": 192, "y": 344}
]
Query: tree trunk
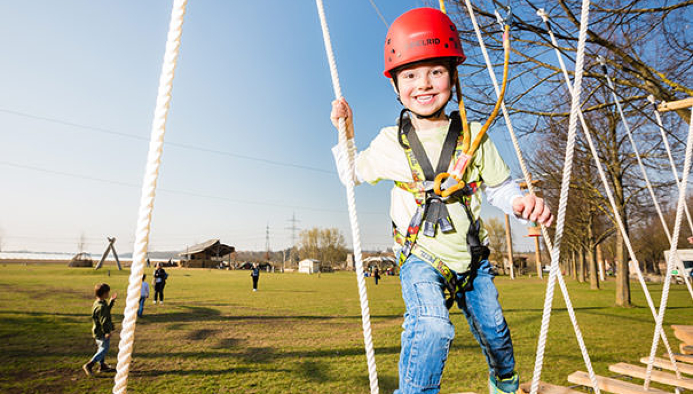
[
  {"x": 573, "y": 264},
  {"x": 594, "y": 269},
  {"x": 581, "y": 265},
  {"x": 622, "y": 282}
]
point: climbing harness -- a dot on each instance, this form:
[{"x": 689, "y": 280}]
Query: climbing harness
[{"x": 431, "y": 211}]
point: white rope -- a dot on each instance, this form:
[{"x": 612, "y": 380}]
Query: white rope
[
  {"x": 555, "y": 269},
  {"x": 602, "y": 176},
  {"x": 665, "y": 140},
  {"x": 672, "y": 251},
  {"x": 351, "y": 201},
  {"x": 156, "y": 145},
  {"x": 626, "y": 126}
]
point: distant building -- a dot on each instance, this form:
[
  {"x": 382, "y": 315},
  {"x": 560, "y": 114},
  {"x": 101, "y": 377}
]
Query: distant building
[
  {"x": 308, "y": 266},
  {"x": 209, "y": 254}
]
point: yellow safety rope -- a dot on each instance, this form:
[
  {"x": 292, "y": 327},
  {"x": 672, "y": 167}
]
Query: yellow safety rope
[{"x": 467, "y": 148}]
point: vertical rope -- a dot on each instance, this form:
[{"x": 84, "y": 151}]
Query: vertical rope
[
  {"x": 626, "y": 126},
  {"x": 607, "y": 188},
  {"x": 672, "y": 251},
  {"x": 554, "y": 272},
  {"x": 156, "y": 145},
  {"x": 563, "y": 201},
  {"x": 351, "y": 202}
]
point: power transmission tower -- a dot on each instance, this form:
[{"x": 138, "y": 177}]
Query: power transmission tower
[{"x": 293, "y": 229}]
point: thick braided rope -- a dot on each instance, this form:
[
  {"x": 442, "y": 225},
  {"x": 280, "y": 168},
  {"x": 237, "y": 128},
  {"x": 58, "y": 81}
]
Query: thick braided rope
[
  {"x": 626, "y": 126},
  {"x": 555, "y": 270},
  {"x": 672, "y": 250},
  {"x": 563, "y": 202},
  {"x": 351, "y": 201},
  {"x": 609, "y": 193},
  {"x": 156, "y": 145},
  {"x": 665, "y": 140}
]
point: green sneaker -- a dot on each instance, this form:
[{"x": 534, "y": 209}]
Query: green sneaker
[{"x": 509, "y": 385}]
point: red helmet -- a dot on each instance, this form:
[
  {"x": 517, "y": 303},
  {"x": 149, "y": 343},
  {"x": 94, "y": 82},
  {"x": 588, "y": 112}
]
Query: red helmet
[{"x": 420, "y": 34}]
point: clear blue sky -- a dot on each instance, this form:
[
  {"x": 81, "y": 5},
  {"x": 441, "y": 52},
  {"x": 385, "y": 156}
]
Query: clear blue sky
[{"x": 248, "y": 134}]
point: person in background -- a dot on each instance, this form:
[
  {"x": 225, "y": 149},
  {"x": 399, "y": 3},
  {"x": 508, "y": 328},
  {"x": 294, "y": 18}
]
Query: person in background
[
  {"x": 255, "y": 273},
  {"x": 376, "y": 275},
  {"x": 160, "y": 277},
  {"x": 144, "y": 294},
  {"x": 102, "y": 328}
]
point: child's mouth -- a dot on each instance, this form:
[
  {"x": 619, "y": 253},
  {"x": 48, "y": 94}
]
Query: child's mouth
[{"x": 425, "y": 99}]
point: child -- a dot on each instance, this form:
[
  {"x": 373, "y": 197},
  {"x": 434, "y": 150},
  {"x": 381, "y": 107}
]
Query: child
[
  {"x": 422, "y": 52},
  {"x": 144, "y": 294},
  {"x": 102, "y": 327}
]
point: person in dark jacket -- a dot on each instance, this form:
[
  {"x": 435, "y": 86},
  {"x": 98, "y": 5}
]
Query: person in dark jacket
[
  {"x": 102, "y": 327},
  {"x": 376, "y": 275},
  {"x": 160, "y": 277},
  {"x": 255, "y": 273}
]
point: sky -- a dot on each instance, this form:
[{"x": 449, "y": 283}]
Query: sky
[{"x": 248, "y": 135}]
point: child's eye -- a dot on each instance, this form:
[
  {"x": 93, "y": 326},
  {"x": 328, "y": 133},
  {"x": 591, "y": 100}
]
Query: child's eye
[
  {"x": 408, "y": 75},
  {"x": 438, "y": 72}
]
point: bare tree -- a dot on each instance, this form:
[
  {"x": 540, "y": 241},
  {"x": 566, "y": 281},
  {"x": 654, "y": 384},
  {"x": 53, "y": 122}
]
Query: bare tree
[
  {"x": 647, "y": 46},
  {"x": 496, "y": 235},
  {"x": 326, "y": 245}
]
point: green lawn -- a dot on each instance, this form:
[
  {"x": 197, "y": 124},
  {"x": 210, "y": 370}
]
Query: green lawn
[{"x": 298, "y": 334}]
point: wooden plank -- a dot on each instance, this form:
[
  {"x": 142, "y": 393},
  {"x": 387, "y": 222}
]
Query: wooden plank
[
  {"x": 547, "y": 388},
  {"x": 683, "y": 333},
  {"x": 611, "y": 385},
  {"x": 664, "y": 363},
  {"x": 674, "y": 105},
  {"x": 682, "y": 357},
  {"x": 685, "y": 349},
  {"x": 639, "y": 372}
]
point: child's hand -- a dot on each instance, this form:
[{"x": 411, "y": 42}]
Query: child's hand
[
  {"x": 114, "y": 296},
  {"x": 533, "y": 208},
  {"x": 341, "y": 109},
  {"x": 107, "y": 336}
]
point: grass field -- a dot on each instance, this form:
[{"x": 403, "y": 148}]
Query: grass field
[{"x": 298, "y": 334}]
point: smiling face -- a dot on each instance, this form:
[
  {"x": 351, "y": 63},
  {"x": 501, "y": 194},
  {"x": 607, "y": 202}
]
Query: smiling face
[{"x": 424, "y": 88}]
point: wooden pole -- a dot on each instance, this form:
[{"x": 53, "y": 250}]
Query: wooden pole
[
  {"x": 537, "y": 257},
  {"x": 674, "y": 105},
  {"x": 509, "y": 242}
]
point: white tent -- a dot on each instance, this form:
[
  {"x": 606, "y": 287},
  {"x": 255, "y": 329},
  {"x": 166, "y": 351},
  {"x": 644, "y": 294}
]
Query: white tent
[{"x": 309, "y": 266}]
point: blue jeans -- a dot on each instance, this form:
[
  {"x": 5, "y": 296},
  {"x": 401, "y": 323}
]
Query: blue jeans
[
  {"x": 103, "y": 344},
  {"x": 428, "y": 332},
  {"x": 140, "y": 311}
]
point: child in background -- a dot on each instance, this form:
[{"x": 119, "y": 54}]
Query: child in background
[
  {"x": 144, "y": 294},
  {"x": 102, "y": 328},
  {"x": 422, "y": 52}
]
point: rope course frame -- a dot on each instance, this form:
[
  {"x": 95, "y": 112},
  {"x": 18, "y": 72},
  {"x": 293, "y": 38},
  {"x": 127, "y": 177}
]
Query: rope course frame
[{"x": 607, "y": 188}]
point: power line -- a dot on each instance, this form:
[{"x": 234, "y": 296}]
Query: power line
[
  {"x": 172, "y": 191},
  {"x": 175, "y": 144}
]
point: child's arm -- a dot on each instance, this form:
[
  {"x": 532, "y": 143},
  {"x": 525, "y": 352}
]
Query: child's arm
[{"x": 508, "y": 198}]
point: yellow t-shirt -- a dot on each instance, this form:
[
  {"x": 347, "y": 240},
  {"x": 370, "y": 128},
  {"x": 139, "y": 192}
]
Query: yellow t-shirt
[{"x": 385, "y": 159}]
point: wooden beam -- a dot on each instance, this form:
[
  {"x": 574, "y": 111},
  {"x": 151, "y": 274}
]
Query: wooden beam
[
  {"x": 547, "y": 388},
  {"x": 639, "y": 372},
  {"x": 686, "y": 349},
  {"x": 674, "y": 105},
  {"x": 611, "y": 385},
  {"x": 666, "y": 364},
  {"x": 683, "y": 333},
  {"x": 682, "y": 357}
]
